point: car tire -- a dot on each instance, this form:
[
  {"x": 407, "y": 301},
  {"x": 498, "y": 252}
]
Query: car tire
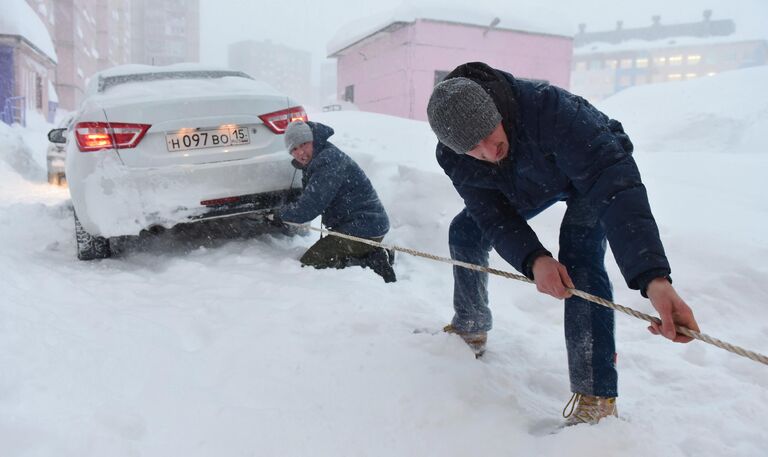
[{"x": 90, "y": 247}]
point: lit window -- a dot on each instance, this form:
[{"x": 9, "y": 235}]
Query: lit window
[
  {"x": 675, "y": 77},
  {"x": 676, "y": 60},
  {"x": 611, "y": 63},
  {"x": 690, "y": 75},
  {"x": 694, "y": 59},
  {"x": 711, "y": 73},
  {"x": 626, "y": 63},
  {"x": 660, "y": 61},
  {"x": 641, "y": 63}
]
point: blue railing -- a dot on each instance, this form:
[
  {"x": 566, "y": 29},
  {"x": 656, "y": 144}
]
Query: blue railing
[
  {"x": 14, "y": 111},
  {"x": 52, "y": 106}
]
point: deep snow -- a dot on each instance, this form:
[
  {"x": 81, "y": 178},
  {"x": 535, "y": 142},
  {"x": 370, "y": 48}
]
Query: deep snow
[{"x": 231, "y": 348}]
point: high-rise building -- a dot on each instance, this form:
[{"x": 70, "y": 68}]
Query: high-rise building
[
  {"x": 284, "y": 68},
  {"x": 89, "y": 35},
  {"x": 165, "y": 32}
]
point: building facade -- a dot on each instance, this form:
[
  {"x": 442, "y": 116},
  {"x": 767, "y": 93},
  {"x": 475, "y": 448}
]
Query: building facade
[
  {"x": 607, "y": 62},
  {"x": 286, "y": 69},
  {"x": 165, "y": 32},
  {"x": 393, "y": 69}
]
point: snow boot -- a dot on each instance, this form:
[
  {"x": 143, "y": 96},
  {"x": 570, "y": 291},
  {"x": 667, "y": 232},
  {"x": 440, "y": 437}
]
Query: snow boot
[
  {"x": 378, "y": 260},
  {"x": 588, "y": 409},
  {"x": 475, "y": 340}
]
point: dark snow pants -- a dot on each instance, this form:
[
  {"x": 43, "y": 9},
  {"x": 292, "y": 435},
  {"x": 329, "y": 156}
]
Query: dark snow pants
[
  {"x": 589, "y": 328},
  {"x": 336, "y": 252}
]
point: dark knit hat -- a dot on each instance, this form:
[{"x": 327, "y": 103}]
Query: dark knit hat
[
  {"x": 461, "y": 113},
  {"x": 297, "y": 133}
]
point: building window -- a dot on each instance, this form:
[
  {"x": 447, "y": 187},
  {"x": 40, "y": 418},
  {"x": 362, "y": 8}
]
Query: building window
[
  {"x": 676, "y": 60},
  {"x": 440, "y": 76},
  {"x": 660, "y": 61},
  {"x": 595, "y": 64},
  {"x": 38, "y": 92},
  {"x": 625, "y": 81},
  {"x": 349, "y": 93},
  {"x": 694, "y": 59},
  {"x": 690, "y": 75},
  {"x": 627, "y": 63},
  {"x": 611, "y": 63},
  {"x": 641, "y": 63},
  {"x": 675, "y": 77}
]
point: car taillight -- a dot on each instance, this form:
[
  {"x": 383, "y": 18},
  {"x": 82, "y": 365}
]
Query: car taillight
[
  {"x": 279, "y": 120},
  {"x": 95, "y": 136}
]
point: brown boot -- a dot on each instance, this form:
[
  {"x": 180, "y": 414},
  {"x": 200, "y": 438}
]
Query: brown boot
[
  {"x": 588, "y": 409},
  {"x": 475, "y": 340}
]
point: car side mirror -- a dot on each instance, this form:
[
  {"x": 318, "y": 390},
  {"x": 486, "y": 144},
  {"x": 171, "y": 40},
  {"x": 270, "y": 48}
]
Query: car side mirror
[{"x": 57, "y": 136}]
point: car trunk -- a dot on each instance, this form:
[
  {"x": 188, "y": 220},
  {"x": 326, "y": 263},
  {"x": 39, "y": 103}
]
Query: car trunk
[{"x": 192, "y": 131}]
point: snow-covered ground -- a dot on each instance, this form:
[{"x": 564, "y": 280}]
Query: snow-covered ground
[{"x": 230, "y": 348}]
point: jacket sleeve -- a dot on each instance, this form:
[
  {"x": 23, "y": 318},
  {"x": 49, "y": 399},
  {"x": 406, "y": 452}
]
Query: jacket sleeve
[
  {"x": 508, "y": 232},
  {"x": 596, "y": 154},
  {"x": 320, "y": 190}
]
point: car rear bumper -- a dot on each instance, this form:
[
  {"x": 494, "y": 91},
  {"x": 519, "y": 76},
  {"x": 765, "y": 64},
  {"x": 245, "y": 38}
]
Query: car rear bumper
[{"x": 114, "y": 200}]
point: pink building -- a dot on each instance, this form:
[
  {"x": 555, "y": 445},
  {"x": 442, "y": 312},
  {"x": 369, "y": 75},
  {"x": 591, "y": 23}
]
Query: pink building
[{"x": 392, "y": 67}]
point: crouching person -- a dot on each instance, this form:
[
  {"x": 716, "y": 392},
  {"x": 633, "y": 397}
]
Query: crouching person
[{"x": 338, "y": 189}]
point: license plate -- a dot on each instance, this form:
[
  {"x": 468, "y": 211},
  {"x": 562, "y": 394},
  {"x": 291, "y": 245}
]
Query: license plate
[{"x": 184, "y": 140}]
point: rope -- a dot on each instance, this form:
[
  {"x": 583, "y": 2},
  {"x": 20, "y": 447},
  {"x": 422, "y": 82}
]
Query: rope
[{"x": 757, "y": 357}]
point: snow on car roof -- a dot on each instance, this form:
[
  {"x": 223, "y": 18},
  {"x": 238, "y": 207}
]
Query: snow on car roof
[{"x": 178, "y": 80}]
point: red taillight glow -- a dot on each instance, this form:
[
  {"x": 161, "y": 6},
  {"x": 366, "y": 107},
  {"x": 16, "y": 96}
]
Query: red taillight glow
[
  {"x": 95, "y": 136},
  {"x": 279, "y": 120},
  {"x": 220, "y": 201}
]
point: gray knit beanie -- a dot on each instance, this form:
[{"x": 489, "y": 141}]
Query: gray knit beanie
[
  {"x": 461, "y": 113},
  {"x": 297, "y": 133}
]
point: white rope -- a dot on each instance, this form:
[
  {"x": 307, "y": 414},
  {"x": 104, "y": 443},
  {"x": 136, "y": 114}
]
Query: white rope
[{"x": 757, "y": 357}]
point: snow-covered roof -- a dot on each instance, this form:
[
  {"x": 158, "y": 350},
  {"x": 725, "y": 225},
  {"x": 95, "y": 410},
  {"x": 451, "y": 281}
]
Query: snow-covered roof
[
  {"x": 526, "y": 19},
  {"x": 18, "y": 18}
]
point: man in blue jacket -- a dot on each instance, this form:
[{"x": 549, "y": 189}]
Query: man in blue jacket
[
  {"x": 512, "y": 148},
  {"x": 336, "y": 188}
]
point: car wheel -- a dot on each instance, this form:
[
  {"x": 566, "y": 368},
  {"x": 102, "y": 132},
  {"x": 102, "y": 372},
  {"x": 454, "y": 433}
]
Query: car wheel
[{"x": 90, "y": 247}]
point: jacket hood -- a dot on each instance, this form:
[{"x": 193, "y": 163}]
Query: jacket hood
[{"x": 320, "y": 135}]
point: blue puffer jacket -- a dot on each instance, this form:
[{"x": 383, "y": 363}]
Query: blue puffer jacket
[
  {"x": 336, "y": 187},
  {"x": 560, "y": 145}
]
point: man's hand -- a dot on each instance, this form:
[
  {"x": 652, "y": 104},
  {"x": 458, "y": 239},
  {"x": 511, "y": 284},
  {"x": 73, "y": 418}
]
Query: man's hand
[
  {"x": 275, "y": 220},
  {"x": 672, "y": 311},
  {"x": 551, "y": 277}
]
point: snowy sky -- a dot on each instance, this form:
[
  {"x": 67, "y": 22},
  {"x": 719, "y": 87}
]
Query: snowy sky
[{"x": 310, "y": 24}]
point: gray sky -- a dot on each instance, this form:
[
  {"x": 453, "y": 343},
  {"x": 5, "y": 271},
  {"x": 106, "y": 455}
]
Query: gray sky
[{"x": 310, "y": 24}]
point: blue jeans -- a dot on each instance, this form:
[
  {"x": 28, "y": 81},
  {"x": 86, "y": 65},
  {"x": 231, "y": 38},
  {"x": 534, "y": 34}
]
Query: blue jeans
[{"x": 589, "y": 328}]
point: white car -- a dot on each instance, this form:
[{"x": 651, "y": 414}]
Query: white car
[{"x": 158, "y": 146}]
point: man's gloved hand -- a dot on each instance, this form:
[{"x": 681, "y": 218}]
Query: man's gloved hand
[{"x": 274, "y": 219}]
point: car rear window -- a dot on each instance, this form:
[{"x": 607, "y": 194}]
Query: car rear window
[{"x": 111, "y": 81}]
